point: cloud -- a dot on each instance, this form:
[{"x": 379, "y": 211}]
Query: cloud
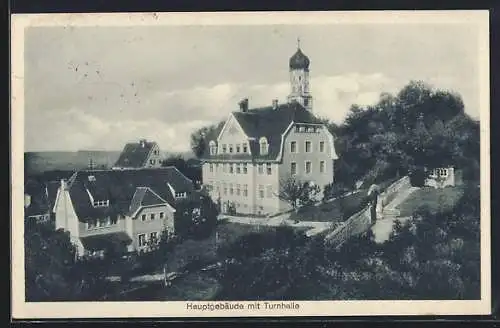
[{"x": 170, "y": 117}]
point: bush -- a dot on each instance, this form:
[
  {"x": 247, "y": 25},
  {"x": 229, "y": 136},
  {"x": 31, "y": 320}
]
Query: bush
[
  {"x": 334, "y": 190},
  {"x": 417, "y": 177}
]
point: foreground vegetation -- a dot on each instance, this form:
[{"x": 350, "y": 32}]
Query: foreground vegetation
[{"x": 434, "y": 256}]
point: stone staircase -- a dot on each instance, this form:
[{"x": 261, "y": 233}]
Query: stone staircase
[{"x": 390, "y": 211}]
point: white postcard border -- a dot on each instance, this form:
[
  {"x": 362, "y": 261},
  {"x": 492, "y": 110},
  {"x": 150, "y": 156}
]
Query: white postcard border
[{"x": 27, "y": 310}]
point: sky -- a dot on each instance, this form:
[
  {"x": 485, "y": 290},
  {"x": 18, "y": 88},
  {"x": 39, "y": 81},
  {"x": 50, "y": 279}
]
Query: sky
[{"x": 97, "y": 88}]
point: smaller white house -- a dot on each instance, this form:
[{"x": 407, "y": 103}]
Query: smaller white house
[{"x": 441, "y": 177}]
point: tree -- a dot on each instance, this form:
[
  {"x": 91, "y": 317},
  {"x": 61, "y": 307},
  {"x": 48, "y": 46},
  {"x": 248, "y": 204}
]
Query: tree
[
  {"x": 52, "y": 272},
  {"x": 196, "y": 217},
  {"x": 201, "y": 137},
  {"x": 297, "y": 193}
]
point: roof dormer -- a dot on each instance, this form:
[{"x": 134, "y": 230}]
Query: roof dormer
[{"x": 264, "y": 146}]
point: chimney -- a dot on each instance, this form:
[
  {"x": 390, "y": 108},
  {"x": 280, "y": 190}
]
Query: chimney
[
  {"x": 243, "y": 105},
  {"x": 275, "y": 103},
  {"x": 142, "y": 142}
]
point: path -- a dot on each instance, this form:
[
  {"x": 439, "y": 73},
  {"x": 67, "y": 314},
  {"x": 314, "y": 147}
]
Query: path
[
  {"x": 382, "y": 228},
  {"x": 316, "y": 227},
  {"x": 384, "y": 225}
]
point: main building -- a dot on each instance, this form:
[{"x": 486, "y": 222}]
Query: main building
[{"x": 257, "y": 149}]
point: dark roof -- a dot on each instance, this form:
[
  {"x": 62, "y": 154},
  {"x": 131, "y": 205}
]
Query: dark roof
[
  {"x": 266, "y": 122},
  {"x": 299, "y": 61},
  {"x": 144, "y": 196},
  {"x": 120, "y": 187},
  {"x": 134, "y": 155}
]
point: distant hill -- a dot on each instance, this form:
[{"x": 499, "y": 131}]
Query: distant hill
[{"x": 39, "y": 162}]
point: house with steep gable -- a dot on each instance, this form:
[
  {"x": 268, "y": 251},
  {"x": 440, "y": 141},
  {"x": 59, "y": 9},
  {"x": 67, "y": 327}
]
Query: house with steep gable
[
  {"x": 120, "y": 210},
  {"x": 142, "y": 154},
  {"x": 256, "y": 149}
]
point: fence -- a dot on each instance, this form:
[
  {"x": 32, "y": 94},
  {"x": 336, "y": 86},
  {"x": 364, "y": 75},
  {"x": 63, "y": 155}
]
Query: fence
[
  {"x": 356, "y": 224},
  {"x": 361, "y": 221},
  {"x": 390, "y": 192}
]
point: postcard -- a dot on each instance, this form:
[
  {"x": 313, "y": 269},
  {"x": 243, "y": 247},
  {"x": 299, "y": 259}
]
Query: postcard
[{"x": 250, "y": 164}]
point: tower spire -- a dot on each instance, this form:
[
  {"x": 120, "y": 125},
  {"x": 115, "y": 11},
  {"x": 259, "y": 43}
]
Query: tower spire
[{"x": 298, "y": 43}]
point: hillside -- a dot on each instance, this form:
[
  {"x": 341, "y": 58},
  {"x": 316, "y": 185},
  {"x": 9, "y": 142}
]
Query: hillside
[{"x": 37, "y": 162}]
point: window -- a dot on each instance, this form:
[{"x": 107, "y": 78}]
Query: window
[
  {"x": 213, "y": 147},
  {"x": 238, "y": 190},
  {"x": 238, "y": 168},
  {"x": 261, "y": 168},
  {"x": 293, "y": 168},
  {"x": 224, "y": 148},
  {"x": 237, "y": 148},
  {"x": 152, "y": 162},
  {"x": 245, "y": 148},
  {"x": 153, "y": 236},
  {"x": 308, "y": 146},
  {"x": 308, "y": 167},
  {"x": 217, "y": 189},
  {"x": 245, "y": 169},
  {"x": 231, "y": 168},
  {"x": 269, "y": 169},
  {"x": 225, "y": 167},
  {"x": 225, "y": 188},
  {"x": 142, "y": 240},
  {"x": 162, "y": 215},
  {"x": 322, "y": 146},
  {"x": 293, "y": 146},
  {"x": 231, "y": 190},
  {"x": 211, "y": 167},
  {"x": 302, "y": 129},
  {"x": 322, "y": 167},
  {"x": 143, "y": 217},
  {"x": 101, "y": 203},
  {"x": 91, "y": 178},
  {"x": 264, "y": 146},
  {"x": 152, "y": 216},
  {"x": 261, "y": 191},
  {"x": 269, "y": 191},
  {"x": 230, "y": 148},
  {"x": 217, "y": 167},
  {"x": 245, "y": 190},
  {"x": 180, "y": 194}
]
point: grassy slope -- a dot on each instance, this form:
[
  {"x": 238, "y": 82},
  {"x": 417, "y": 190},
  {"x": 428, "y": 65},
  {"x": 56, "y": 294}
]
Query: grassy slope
[
  {"x": 331, "y": 211},
  {"x": 437, "y": 200}
]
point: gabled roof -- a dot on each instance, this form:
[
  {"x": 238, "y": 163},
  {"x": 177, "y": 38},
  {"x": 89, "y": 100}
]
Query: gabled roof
[
  {"x": 135, "y": 154},
  {"x": 266, "y": 122},
  {"x": 144, "y": 196},
  {"x": 123, "y": 188}
]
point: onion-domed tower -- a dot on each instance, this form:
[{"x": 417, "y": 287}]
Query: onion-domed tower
[{"x": 299, "y": 79}]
